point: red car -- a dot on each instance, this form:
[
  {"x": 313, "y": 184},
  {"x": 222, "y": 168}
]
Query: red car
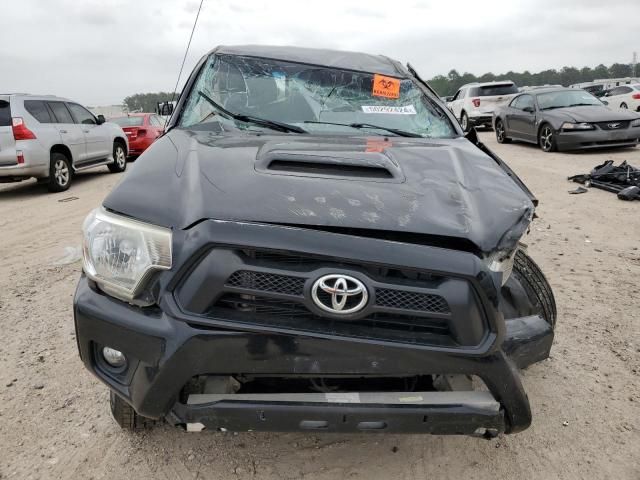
[{"x": 142, "y": 129}]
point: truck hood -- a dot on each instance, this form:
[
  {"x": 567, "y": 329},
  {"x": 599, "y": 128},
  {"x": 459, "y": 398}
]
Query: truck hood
[{"x": 437, "y": 187}]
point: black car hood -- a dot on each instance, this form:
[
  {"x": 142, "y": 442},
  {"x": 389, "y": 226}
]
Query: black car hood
[
  {"x": 591, "y": 114},
  {"x": 445, "y": 188}
]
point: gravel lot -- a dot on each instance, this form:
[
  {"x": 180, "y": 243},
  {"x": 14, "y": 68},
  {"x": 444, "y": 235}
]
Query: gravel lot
[{"x": 54, "y": 418}]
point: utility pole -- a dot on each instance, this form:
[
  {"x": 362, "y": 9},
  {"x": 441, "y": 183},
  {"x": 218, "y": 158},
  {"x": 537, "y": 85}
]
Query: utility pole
[{"x": 633, "y": 63}]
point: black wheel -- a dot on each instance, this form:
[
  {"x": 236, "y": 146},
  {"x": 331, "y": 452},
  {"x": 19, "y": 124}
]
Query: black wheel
[
  {"x": 126, "y": 416},
  {"x": 501, "y": 136},
  {"x": 547, "y": 138},
  {"x": 623, "y": 105},
  {"x": 536, "y": 286},
  {"x": 119, "y": 158},
  {"x": 60, "y": 173},
  {"x": 464, "y": 122}
]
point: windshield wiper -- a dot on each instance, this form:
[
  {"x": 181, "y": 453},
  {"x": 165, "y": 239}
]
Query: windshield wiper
[
  {"x": 554, "y": 106},
  {"x": 583, "y": 105},
  {"x": 263, "y": 122},
  {"x": 395, "y": 131}
]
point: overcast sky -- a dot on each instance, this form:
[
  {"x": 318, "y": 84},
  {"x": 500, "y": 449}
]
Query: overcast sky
[{"x": 99, "y": 51}]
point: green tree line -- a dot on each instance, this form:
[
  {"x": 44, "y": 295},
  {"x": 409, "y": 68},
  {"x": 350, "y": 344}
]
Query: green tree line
[
  {"x": 449, "y": 84},
  {"x": 146, "y": 102}
]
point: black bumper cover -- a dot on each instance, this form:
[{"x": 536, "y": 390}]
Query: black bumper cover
[{"x": 165, "y": 352}]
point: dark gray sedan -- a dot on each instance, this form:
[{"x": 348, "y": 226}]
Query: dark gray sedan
[{"x": 565, "y": 119}]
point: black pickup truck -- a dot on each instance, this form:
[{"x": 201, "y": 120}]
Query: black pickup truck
[{"x": 314, "y": 244}]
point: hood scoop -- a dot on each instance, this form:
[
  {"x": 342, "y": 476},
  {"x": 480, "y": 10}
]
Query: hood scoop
[{"x": 342, "y": 165}]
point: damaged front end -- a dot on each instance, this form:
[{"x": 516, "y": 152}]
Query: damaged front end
[
  {"x": 242, "y": 308},
  {"x": 323, "y": 280}
]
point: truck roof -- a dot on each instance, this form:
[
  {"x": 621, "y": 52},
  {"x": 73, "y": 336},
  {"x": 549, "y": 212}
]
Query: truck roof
[{"x": 362, "y": 62}]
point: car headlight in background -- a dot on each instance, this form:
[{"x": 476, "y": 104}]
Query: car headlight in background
[
  {"x": 119, "y": 253},
  {"x": 577, "y": 126},
  {"x": 635, "y": 123}
]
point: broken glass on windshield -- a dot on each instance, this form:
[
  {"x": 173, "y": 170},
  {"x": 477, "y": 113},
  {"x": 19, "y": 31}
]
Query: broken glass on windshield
[{"x": 318, "y": 99}]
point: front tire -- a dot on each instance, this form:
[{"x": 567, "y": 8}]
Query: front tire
[
  {"x": 501, "y": 133},
  {"x": 547, "y": 138},
  {"x": 60, "y": 173},
  {"x": 536, "y": 286},
  {"x": 624, "y": 106},
  {"x": 119, "y": 158},
  {"x": 126, "y": 416}
]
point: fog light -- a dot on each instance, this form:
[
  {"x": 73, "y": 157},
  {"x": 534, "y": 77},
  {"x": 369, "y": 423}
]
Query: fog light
[{"x": 113, "y": 357}]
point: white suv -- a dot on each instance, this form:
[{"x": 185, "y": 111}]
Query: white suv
[
  {"x": 51, "y": 138},
  {"x": 474, "y": 103},
  {"x": 623, "y": 96}
]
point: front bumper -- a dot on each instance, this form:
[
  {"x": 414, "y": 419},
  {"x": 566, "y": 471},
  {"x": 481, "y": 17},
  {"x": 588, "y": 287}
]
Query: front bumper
[
  {"x": 468, "y": 413},
  {"x": 598, "y": 139},
  {"x": 164, "y": 352}
]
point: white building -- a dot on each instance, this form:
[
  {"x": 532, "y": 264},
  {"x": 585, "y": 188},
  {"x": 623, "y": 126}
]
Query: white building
[{"x": 109, "y": 111}]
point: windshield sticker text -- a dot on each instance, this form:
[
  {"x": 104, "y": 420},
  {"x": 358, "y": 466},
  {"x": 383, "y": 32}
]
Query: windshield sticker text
[{"x": 406, "y": 110}]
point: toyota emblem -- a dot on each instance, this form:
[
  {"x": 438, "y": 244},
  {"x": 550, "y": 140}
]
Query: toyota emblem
[{"x": 339, "y": 294}]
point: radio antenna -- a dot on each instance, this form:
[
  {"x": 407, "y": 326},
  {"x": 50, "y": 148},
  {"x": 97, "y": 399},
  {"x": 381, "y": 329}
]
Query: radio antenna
[{"x": 184, "y": 59}]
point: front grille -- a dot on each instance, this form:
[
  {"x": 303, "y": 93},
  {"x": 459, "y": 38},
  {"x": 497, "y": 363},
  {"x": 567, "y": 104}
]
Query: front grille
[
  {"x": 267, "y": 282},
  {"x": 621, "y": 125},
  {"x": 270, "y": 289},
  {"x": 404, "y": 300},
  {"x": 289, "y": 314},
  {"x": 385, "y": 297}
]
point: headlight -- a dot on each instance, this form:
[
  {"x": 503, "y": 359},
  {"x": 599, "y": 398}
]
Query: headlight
[
  {"x": 502, "y": 261},
  {"x": 635, "y": 123},
  {"x": 119, "y": 253},
  {"x": 577, "y": 126}
]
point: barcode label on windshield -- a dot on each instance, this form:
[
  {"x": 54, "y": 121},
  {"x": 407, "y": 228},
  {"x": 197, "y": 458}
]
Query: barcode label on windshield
[{"x": 406, "y": 110}]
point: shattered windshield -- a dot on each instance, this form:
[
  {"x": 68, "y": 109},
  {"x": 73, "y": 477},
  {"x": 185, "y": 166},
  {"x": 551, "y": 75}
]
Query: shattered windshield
[{"x": 234, "y": 91}]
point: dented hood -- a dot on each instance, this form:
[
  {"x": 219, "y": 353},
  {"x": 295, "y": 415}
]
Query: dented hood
[{"x": 440, "y": 187}]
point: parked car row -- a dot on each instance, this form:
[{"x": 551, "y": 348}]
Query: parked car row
[
  {"x": 51, "y": 138},
  {"x": 554, "y": 117}
]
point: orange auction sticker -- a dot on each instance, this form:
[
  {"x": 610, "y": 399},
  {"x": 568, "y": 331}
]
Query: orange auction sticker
[{"x": 387, "y": 87}]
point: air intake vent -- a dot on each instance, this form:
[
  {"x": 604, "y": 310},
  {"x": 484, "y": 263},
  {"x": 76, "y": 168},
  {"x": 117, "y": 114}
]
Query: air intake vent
[
  {"x": 339, "y": 165},
  {"x": 332, "y": 169}
]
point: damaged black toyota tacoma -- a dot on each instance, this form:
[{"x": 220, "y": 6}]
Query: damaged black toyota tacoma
[{"x": 314, "y": 245}]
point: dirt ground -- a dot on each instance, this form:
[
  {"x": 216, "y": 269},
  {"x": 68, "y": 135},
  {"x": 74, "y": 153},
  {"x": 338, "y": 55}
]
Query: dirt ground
[{"x": 54, "y": 417}]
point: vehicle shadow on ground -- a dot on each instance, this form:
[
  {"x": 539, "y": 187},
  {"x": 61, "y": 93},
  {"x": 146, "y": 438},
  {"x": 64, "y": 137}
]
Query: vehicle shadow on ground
[{"x": 29, "y": 188}]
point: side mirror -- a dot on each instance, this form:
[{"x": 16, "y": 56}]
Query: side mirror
[
  {"x": 101, "y": 119},
  {"x": 528, "y": 109}
]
